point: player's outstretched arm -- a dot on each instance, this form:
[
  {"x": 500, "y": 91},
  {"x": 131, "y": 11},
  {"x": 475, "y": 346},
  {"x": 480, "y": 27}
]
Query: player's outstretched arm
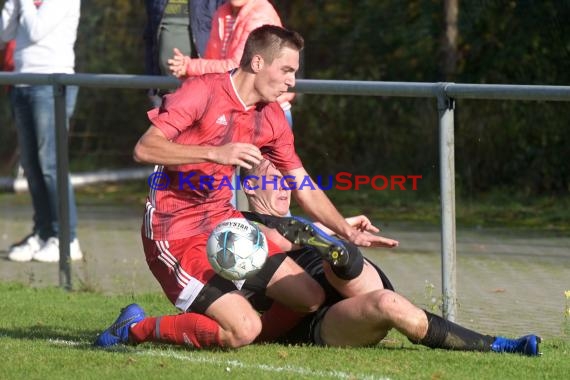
[
  {"x": 359, "y": 222},
  {"x": 319, "y": 207},
  {"x": 379, "y": 241}
]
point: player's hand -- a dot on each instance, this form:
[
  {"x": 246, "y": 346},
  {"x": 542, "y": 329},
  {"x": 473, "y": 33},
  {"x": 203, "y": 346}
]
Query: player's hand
[
  {"x": 367, "y": 239},
  {"x": 241, "y": 154},
  {"x": 362, "y": 223},
  {"x": 178, "y": 64}
]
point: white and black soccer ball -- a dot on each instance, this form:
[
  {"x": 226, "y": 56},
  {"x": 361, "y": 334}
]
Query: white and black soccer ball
[{"x": 237, "y": 249}]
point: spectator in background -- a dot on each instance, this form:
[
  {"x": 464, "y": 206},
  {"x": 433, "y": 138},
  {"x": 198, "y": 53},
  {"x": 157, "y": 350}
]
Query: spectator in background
[
  {"x": 181, "y": 24},
  {"x": 7, "y": 62},
  {"x": 45, "y": 33},
  {"x": 231, "y": 25}
]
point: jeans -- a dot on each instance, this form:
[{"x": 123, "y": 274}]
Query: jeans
[{"x": 34, "y": 116}]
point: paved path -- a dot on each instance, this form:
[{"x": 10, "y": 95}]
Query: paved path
[{"x": 507, "y": 283}]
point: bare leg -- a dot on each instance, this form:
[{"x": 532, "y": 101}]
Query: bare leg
[
  {"x": 294, "y": 288},
  {"x": 367, "y": 281},
  {"x": 366, "y": 319}
]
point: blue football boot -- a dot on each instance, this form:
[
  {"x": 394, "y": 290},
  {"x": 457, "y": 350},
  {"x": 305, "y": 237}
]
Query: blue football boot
[
  {"x": 527, "y": 345},
  {"x": 302, "y": 232},
  {"x": 118, "y": 332}
]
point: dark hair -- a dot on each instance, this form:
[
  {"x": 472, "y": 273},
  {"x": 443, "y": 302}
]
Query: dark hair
[{"x": 267, "y": 41}]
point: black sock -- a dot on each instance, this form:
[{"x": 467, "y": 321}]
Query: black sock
[
  {"x": 442, "y": 333},
  {"x": 355, "y": 264}
]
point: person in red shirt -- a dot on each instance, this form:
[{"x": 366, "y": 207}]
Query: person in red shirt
[
  {"x": 231, "y": 24},
  {"x": 204, "y": 130},
  {"x": 8, "y": 56}
]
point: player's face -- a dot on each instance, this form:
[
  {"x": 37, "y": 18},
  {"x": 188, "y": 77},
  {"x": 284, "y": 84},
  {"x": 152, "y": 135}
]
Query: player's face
[
  {"x": 271, "y": 194},
  {"x": 275, "y": 79}
]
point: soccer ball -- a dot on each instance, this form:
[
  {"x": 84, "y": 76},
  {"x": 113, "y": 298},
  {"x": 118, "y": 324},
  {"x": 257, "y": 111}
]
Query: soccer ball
[{"x": 237, "y": 249}]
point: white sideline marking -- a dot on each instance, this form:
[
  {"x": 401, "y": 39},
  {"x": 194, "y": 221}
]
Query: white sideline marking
[{"x": 236, "y": 363}]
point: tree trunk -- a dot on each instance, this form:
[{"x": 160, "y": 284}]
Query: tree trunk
[{"x": 451, "y": 11}]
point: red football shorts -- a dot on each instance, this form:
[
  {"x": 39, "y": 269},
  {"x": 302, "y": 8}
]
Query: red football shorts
[{"x": 185, "y": 274}]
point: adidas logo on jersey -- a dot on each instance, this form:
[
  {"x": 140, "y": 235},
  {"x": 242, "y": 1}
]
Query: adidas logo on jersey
[{"x": 222, "y": 120}]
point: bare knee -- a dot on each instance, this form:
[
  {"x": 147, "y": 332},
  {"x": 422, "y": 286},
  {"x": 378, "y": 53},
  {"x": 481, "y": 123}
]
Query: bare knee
[
  {"x": 396, "y": 310},
  {"x": 385, "y": 303},
  {"x": 241, "y": 333},
  {"x": 385, "y": 298}
]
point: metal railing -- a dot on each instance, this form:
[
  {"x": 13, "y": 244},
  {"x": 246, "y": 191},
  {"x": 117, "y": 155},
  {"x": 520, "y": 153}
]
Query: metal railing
[{"x": 445, "y": 94}]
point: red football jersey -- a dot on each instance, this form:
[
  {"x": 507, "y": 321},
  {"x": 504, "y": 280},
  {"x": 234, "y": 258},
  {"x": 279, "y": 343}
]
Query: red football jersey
[{"x": 207, "y": 110}]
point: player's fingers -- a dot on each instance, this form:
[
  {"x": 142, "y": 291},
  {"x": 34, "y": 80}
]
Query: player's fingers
[
  {"x": 369, "y": 227},
  {"x": 363, "y": 224},
  {"x": 251, "y": 151},
  {"x": 251, "y": 159},
  {"x": 372, "y": 228},
  {"x": 249, "y": 147},
  {"x": 244, "y": 160},
  {"x": 244, "y": 165},
  {"x": 384, "y": 242},
  {"x": 237, "y": 160},
  {"x": 241, "y": 154},
  {"x": 360, "y": 240},
  {"x": 364, "y": 243},
  {"x": 366, "y": 239}
]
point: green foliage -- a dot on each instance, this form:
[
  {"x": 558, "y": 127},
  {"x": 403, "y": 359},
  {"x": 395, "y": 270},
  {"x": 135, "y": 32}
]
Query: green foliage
[
  {"x": 110, "y": 37},
  {"x": 523, "y": 146},
  {"x": 108, "y": 122}
]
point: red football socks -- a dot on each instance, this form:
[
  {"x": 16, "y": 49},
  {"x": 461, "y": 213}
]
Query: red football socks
[{"x": 191, "y": 329}]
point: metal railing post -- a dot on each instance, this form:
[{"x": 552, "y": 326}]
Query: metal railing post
[
  {"x": 62, "y": 155},
  {"x": 445, "y": 106}
]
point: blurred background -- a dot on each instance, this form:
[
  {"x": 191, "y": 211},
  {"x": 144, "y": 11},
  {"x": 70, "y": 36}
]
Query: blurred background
[{"x": 506, "y": 151}]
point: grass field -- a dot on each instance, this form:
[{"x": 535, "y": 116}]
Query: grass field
[{"x": 47, "y": 334}]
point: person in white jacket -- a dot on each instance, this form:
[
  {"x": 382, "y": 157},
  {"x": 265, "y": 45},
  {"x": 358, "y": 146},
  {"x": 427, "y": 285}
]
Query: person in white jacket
[{"x": 45, "y": 33}]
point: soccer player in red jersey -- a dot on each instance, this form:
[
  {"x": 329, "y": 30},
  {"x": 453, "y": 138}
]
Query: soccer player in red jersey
[{"x": 205, "y": 129}]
